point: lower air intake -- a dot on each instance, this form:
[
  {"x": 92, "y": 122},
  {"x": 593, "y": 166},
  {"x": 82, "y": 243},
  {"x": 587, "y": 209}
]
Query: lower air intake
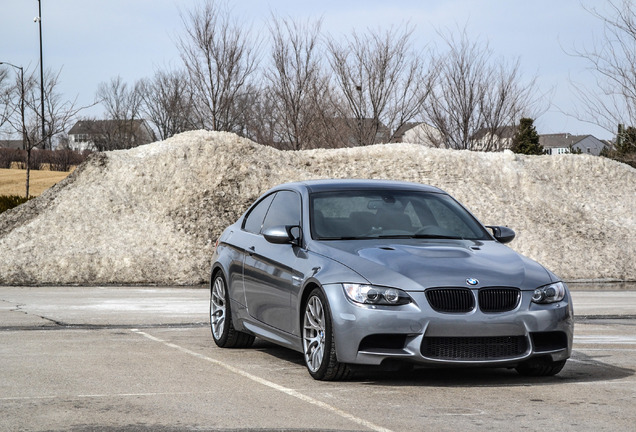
[{"x": 474, "y": 348}]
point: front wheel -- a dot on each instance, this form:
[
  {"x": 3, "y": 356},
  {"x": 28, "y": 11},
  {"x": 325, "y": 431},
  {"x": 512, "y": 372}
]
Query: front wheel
[
  {"x": 319, "y": 348},
  {"x": 540, "y": 367},
  {"x": 223, "y": 331}
]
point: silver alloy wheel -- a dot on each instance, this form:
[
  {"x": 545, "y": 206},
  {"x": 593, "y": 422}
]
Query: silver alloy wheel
[
  {"x": 217, "y": 308},
  {"x": 314, "y": 333}
]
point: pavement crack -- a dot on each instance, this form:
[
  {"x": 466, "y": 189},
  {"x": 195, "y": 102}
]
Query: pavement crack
[
  {"x": 66, "y": 326},
  {"x": 15, "y": 307},
  {"x": 56, "y": 322},
  {"x": 18, "y": 307}
]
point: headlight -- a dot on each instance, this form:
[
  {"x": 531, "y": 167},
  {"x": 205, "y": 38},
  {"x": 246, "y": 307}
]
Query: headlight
[
  {"x": 549, "y": 294},
  {"x": 369, "y": 294}
]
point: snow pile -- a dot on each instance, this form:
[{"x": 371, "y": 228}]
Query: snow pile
[{"x": 152, "y": 214}]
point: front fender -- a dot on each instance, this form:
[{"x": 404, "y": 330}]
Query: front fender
[{"x": 328, "y": 273}]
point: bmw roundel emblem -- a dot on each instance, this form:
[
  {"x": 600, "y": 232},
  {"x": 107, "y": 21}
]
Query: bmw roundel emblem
[{"x": 472, "y": 281}]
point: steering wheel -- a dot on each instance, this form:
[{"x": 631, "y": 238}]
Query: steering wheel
[{"x": 426, "y": 229}]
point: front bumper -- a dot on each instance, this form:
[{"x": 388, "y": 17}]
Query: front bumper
[{"x": 366, "y": 334}]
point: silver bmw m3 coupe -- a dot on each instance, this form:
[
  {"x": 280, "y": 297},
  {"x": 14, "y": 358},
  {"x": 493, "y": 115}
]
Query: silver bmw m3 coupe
[{"x": 366, "y": 272}]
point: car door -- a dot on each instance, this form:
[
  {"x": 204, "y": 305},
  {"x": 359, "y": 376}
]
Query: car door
[
  {"x": 242, "y": 240},
  {"x": 268, "y": 270}
]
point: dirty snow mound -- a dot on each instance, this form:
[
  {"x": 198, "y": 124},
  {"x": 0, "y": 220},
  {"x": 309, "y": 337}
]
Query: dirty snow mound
[{"x": 151, "y": 214}]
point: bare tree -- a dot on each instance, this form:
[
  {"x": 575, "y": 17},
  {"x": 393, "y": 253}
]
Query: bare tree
[
  {"x": 612, "y": 61},
  {"x": 220, "y": 57},
  {"x": 120, "y": 129},
  {"x": 473, "y": 93},
  {"x": 506, "y": 100},
  {"x": 59, "y": 113},
  {"x": 256, "y": 119},
  {"x": 167, "y": 102},
  {"x": 296, "y": 82},
  {"x": 5, "y": 97},
  {"x": 381, "y": 83},
  {"x": 120, "y": 101}
]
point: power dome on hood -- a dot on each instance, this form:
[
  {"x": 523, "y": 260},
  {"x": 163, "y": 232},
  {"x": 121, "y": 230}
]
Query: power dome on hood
[{"x": 422, "y": 264}]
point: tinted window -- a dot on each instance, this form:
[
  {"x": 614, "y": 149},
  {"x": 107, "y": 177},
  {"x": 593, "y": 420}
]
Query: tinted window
[
  {"x": 285, "y": 210},
  {"x": 451, "y": 218},
  {"x": 254, "y": 220},
  {"x": 390, "y": 213}
]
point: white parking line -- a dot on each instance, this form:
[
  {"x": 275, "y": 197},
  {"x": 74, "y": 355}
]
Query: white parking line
[
  {"x": 97, "y": 396},
  {"x": 605, "y": 339},
  {"x": 607, "y": 349},
  {"x": 280, "y": 388}
]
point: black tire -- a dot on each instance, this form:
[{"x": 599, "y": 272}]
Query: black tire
[
  {"x": 221, "y": 326},
  {"x": 319, "y": 347},
  {"x": 540, "y": 367}
]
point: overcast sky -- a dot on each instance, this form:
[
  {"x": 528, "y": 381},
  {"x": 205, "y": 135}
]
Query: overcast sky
[{"x": 93, "y": 41}]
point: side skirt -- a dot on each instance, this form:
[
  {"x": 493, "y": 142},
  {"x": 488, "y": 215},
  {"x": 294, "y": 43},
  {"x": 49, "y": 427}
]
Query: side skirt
[{"x": 244, "y": 322}]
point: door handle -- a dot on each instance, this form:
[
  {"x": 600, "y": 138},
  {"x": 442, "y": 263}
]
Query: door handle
[{"x": 251, "y": 250}]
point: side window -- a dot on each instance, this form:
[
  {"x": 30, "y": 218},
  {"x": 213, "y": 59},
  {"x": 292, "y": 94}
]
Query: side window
[
  {"x": 285, "y": 210},
  {"x": 254, "y": 220}
]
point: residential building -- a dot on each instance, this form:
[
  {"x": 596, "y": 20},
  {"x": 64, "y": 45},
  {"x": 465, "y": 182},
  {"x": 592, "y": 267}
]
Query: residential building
[
  {"x": 493, "y": 139},
  {"x": 109, "y": 134},
  {"x": 418, "y": 133},
  {"x": 564, "y": 143}
]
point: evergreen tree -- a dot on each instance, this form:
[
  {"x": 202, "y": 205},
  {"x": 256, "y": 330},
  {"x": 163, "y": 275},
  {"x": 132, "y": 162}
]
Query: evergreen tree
[
  {"x": 627, "y": 142},
  {"x": 624, "y": 148},
  {"x": 526, "y": 140}
]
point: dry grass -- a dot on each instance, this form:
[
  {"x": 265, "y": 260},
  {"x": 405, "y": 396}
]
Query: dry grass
[{"x": 13, "y": 181}]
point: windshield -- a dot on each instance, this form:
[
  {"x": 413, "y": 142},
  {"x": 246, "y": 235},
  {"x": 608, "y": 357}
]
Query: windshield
[{"x": 364, "y": 214}]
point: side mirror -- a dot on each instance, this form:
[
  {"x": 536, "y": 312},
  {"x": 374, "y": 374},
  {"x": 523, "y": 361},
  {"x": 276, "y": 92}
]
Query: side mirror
[
  {"x": 502, "y": 234},
  {"x": 282, "y": 234}
]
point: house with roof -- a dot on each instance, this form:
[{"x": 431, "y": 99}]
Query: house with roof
[
  {"x": 493, "y": 139},
  {"x": 564, "y": 143},
  {"x": 418, "y": 133},
  {"x": 109, "y": 134}
]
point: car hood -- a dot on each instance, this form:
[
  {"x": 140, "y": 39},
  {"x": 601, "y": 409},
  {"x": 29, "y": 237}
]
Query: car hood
[{"x": 415, "y": 265}]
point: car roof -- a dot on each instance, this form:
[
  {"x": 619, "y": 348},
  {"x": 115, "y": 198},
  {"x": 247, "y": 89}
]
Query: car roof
[{"x": 357, "y": 184}]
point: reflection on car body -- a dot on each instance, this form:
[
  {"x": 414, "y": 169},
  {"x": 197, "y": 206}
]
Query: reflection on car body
[{"x": 369, "y": 272}]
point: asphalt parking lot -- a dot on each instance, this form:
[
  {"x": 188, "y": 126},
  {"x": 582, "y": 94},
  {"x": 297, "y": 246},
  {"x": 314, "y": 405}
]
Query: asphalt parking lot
[{"x": 142, "y": 359}]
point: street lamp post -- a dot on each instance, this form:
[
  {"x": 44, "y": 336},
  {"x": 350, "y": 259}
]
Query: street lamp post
[
  {"x": 24, "y": 143},
  {"x": 38, "y": 19}
]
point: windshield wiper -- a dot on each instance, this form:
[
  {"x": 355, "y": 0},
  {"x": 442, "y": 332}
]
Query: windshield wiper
[
  {"x": 340, "y": 238},
  {"x": 435, "y": 236},
  {"x": 395, "y": 236},
  {"x": 414, "y": 236}
]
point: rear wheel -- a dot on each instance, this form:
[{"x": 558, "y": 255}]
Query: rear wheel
[
  {"x": 319, "y": 348},
  {"x": 223, "y": 331},
  {"x": 540, "y": 367}
]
